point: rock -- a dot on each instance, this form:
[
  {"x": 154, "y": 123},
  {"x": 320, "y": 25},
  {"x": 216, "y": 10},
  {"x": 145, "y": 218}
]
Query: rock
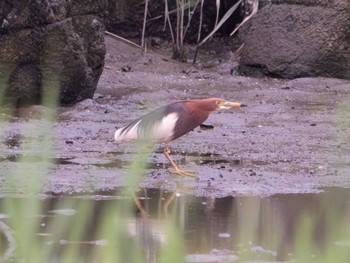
[
  {"x": 51, "y": 47},
  {"x": 298, "y": 38}
]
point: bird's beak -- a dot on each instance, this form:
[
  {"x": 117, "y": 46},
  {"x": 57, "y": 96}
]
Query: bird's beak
[{"x": 225, "y": 105}]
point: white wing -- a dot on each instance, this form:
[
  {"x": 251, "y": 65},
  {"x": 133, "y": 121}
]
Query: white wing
[{"x": 159, "y": 132}]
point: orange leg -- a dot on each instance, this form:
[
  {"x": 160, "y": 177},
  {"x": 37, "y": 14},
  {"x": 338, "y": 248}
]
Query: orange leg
[{"x": 176, "y": 169}]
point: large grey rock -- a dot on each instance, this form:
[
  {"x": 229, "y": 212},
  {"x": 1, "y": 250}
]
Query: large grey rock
[
  {"x": 50, "y": 44},
  {"x": 304, "y": 38}
]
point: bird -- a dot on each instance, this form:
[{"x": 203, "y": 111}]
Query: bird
[{"x": 169, "y": 122}]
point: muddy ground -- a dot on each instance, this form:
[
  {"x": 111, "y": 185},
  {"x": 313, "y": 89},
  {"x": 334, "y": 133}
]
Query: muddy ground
[{"x": 292, "y": 138}]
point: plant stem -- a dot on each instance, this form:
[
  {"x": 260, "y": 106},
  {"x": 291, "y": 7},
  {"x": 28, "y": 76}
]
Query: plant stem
[
  {"x": 144, "y": 26},
  {"x": 199, "y": 31}
]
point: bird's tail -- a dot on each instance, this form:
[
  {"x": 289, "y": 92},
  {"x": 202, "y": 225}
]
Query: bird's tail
[
  {"x": 127, "y": 133},
  {"x": 118, "y": 135}
]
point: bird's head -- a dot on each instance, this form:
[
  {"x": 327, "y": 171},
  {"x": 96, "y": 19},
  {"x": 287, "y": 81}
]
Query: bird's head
[{"x": 212, "y": 104}]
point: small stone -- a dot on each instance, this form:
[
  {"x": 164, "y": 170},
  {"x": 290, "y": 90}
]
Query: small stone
[
  {"x": 285, "y": 88},
  {"x": 126, "y": 68}
]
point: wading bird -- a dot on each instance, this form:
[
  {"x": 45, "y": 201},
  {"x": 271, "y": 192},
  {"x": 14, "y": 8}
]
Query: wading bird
[{"x": 167, "y": 123}]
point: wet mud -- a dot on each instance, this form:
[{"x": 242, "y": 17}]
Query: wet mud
[{"x": 292, "y": 138}]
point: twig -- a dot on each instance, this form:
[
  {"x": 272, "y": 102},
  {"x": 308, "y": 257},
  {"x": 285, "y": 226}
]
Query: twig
[
  {"x": 199, "y": 32},
  {"x": 167, "y": 20},
  {"x": 222, "y": 20},
  {"x": 123, "y": 40},
  {"x": 217, "y": 12},
  {"x": 144, "y": 26},
  {"x": 254, "y": 11},
  {"x": 177, "y": 24},
  {"x": 182, "y": 5},
  {"x": 191, "y": 13}
]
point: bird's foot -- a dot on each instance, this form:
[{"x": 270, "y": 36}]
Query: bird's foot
[{"x": 184, "y": 172}]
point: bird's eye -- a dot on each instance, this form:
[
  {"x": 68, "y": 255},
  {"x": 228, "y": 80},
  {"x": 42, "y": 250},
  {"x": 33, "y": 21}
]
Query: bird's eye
[{"x": 218, "y": 103}]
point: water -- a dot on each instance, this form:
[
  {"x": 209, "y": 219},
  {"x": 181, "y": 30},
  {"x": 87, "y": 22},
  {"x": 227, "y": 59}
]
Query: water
[{"x": 230, "y": 229}]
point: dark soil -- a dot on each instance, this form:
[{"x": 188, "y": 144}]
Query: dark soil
[{"x": 292, "y": 138}]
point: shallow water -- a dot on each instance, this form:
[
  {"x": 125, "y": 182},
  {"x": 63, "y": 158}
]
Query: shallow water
[{"x": 230, "y": 229}]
